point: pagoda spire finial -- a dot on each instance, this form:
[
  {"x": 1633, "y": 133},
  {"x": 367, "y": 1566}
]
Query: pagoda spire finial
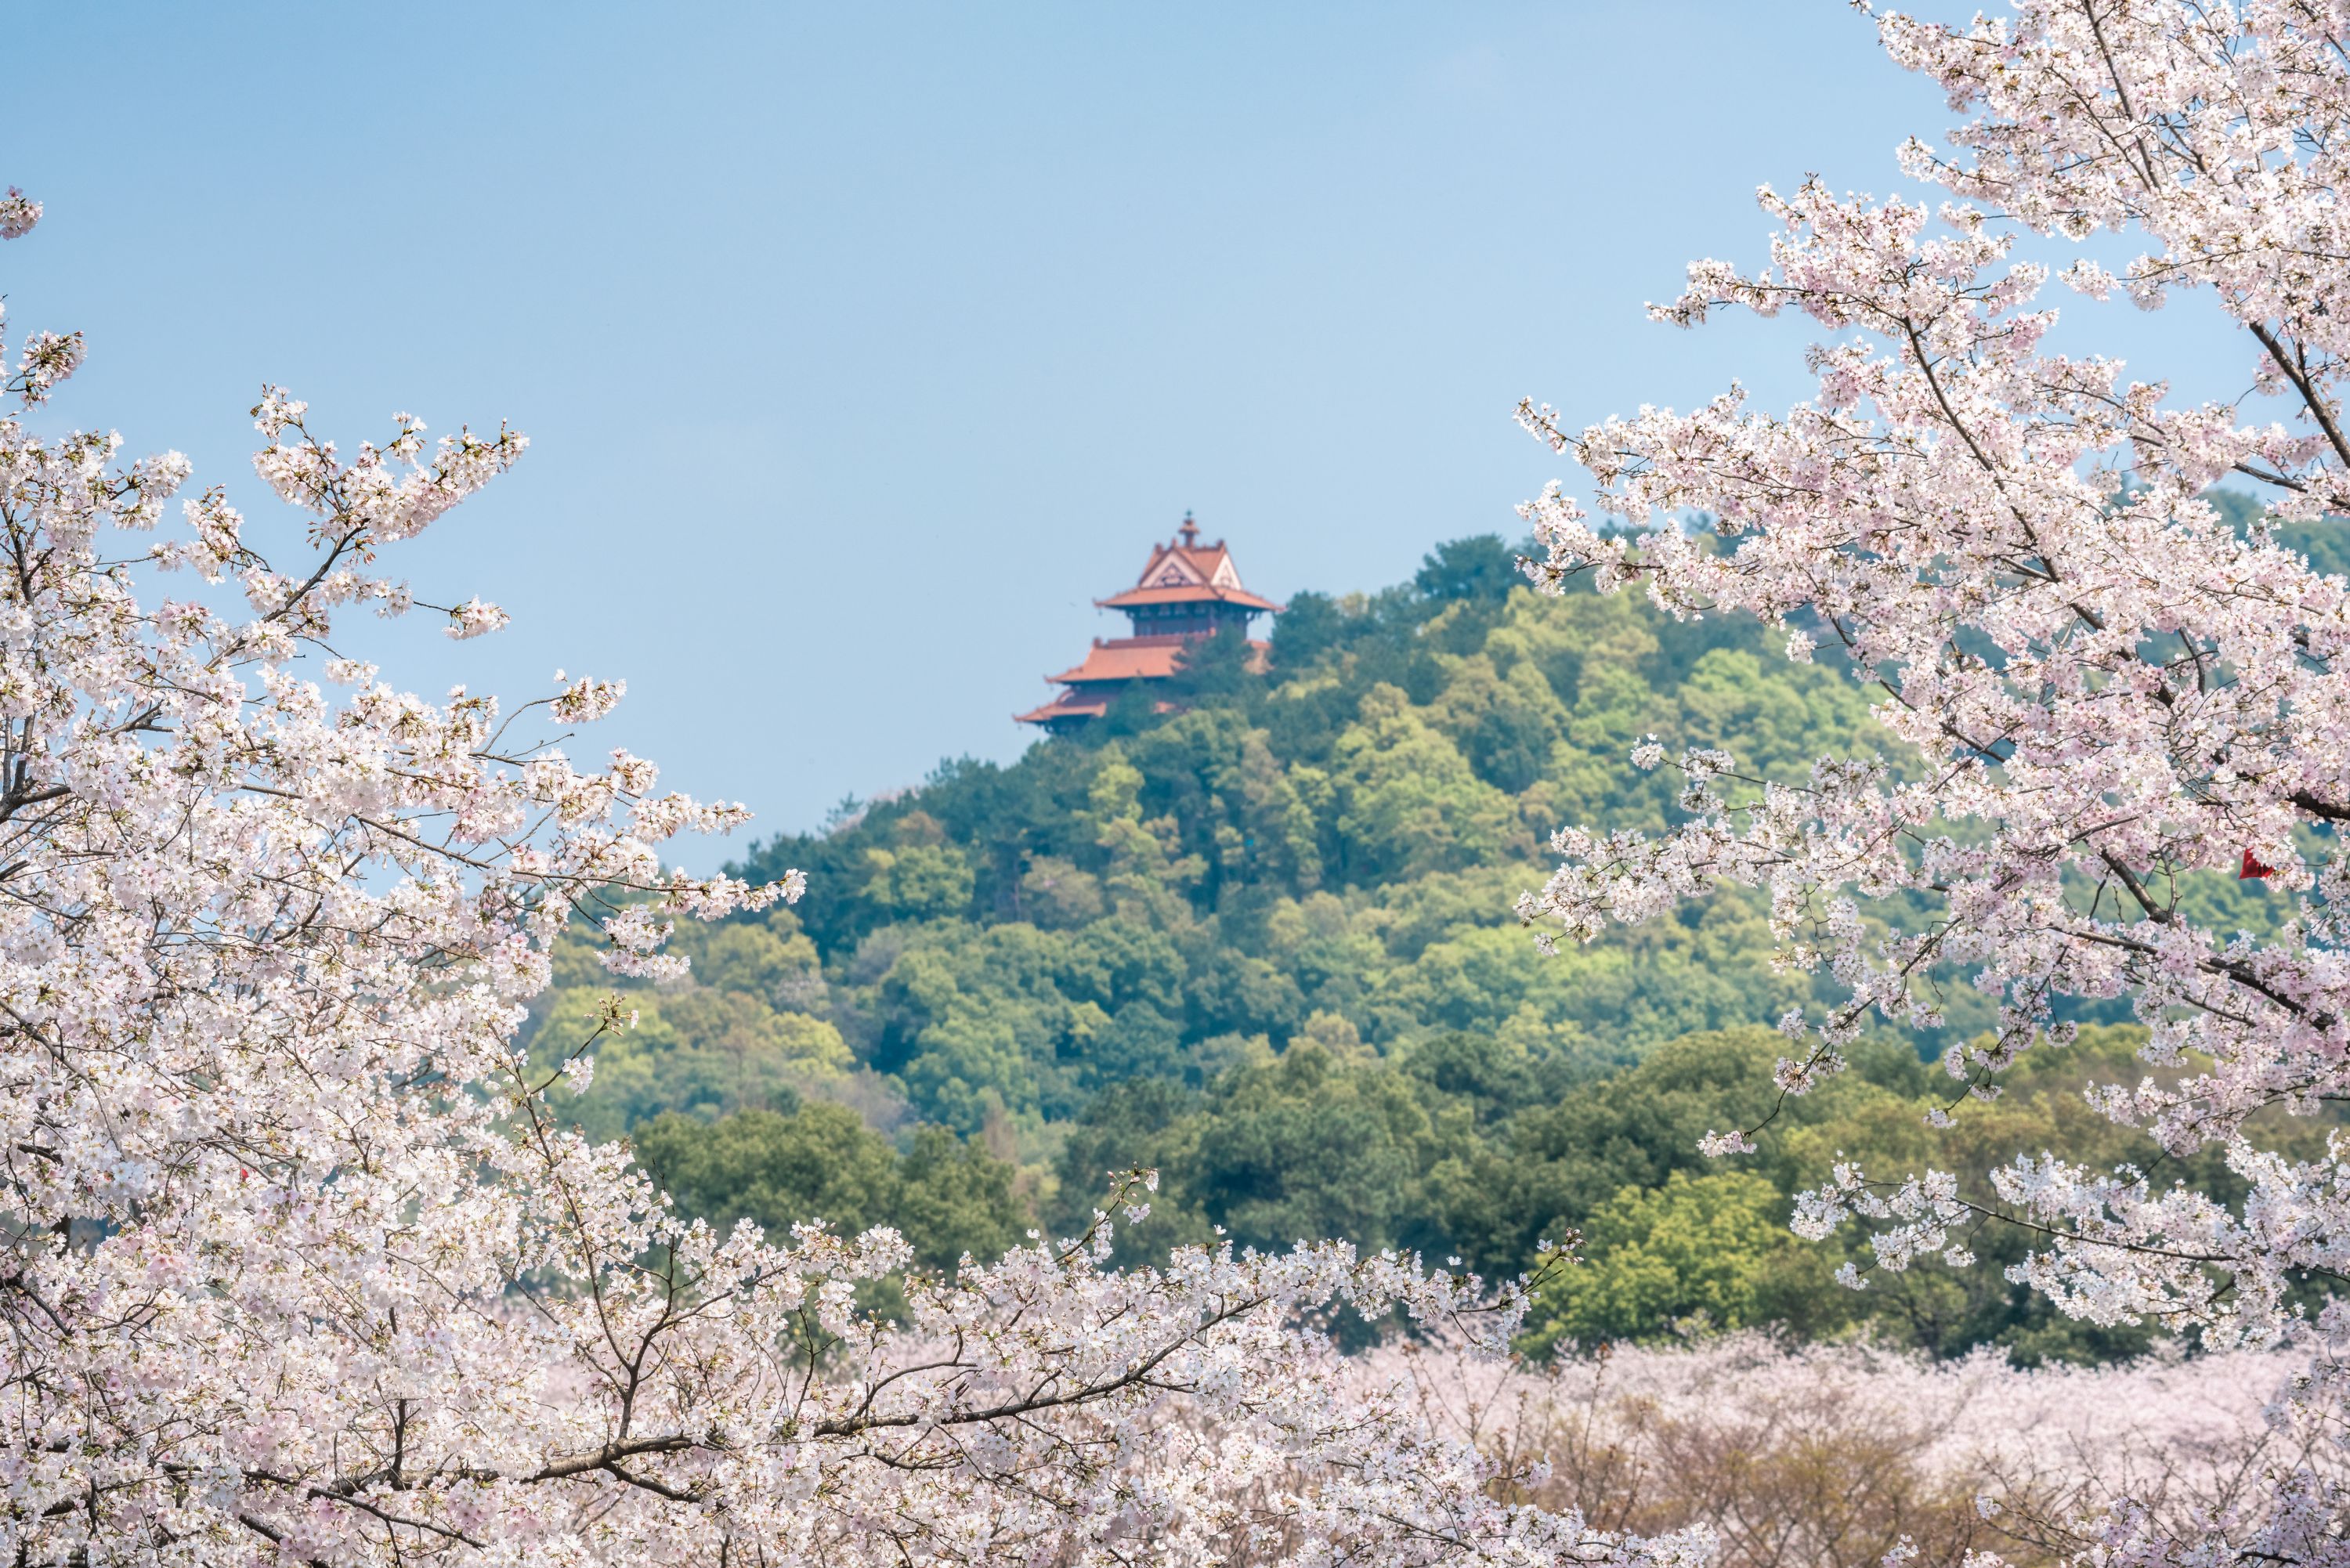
[{"x": 1190, "y": 532}]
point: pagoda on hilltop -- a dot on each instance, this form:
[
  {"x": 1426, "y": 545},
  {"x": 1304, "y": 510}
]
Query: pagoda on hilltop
[{"x": 1187, "y": 592}]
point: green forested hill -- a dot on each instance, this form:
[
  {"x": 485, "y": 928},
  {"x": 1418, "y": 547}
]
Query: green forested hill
[
  {"x": 1329, "y": 852},
  {"x": 1264, "y": 942}
]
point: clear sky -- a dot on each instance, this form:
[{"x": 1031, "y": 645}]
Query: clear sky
[{"x": 862, "y": 346}]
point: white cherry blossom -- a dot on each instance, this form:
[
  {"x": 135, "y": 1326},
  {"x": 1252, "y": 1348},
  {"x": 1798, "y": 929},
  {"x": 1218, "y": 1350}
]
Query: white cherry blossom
[
  {"x": 301, "y": 1267},
  {"x": 2100, "y": 687}
]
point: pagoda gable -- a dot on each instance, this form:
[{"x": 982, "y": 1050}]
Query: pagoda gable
[
  {"x": 1187, "y": 564},
  {"x": 1170, "y": 568}
]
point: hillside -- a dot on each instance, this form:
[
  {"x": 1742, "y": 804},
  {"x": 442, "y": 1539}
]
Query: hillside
[{"x": 1265, "y": 943}]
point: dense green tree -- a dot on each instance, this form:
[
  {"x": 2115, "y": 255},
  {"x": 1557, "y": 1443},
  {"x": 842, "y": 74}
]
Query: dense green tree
[
  {"x": 699, "y": 1050},
  {"x": 821, "y": 1161},
  {"x": 1505, "y": 725},
  {"x": 1482, "y": 569},
  {"x": 1699, "y": 1252},
  {"x": 1406, "y": 802},
  {"x": 1277, "y": 1148},
  {"x": 1309, "y": 1146},
  {"x": 779, "y": 1168}
]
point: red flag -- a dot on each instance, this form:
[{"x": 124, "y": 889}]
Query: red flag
[{"x": 2254, "y": 869}]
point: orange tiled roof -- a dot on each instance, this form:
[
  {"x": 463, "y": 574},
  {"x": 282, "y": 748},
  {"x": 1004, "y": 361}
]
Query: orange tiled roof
[
  {"x": 1185, "y": 593},
  {"x": 1075, "y": 702},
  {"x": 1126, "y": 659},
  {"x": 1142, "y": 658},
  {"x": 1067, "y": 705}
]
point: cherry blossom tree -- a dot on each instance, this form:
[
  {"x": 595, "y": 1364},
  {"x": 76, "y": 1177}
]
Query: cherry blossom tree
[
  {"x": 2102, "y": 688},
  {"x": 1833, "y": 1455},
  {"x": 301, "y": 1265}
]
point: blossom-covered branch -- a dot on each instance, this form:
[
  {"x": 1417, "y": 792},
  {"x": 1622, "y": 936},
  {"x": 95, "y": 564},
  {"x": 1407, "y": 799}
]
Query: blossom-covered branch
[
  {"x": 299, "y": 1266},
  {"x": 2099, "y": 686}
]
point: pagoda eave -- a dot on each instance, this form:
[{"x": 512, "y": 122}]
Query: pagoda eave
[
  {"x": 1126, "y": 659},
  {"x": 1064, "y": 710},
  {"x": 1188, "y": 594}
]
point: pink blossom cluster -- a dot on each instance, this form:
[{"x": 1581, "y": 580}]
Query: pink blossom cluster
[
  {"x": 1822, "y": 1455},
  {"x": 300, "y": 1267},
  {"x": 2096, "y": 685}
]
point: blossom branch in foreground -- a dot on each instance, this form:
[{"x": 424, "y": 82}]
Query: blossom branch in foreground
[
  {"x": 298, "y": 1266},
  {"x": 2100, "y": 686}
]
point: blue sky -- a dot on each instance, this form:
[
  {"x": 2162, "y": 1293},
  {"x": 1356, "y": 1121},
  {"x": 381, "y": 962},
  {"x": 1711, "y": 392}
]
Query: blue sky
[{"x": 860, "y": 347}]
